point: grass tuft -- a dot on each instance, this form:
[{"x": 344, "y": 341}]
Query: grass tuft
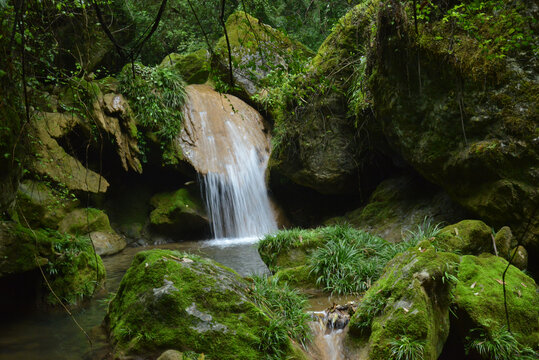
[{"x": 406, "y": 348}]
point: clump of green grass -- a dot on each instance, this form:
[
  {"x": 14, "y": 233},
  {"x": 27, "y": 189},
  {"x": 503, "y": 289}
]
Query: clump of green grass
[
  {"x": 406, "y": 348},
  {"x": 157, "y": 95},
  {"x": 424, "y": 231},
  {"x": 286, "y": 308},
  {"x": 498, "y": 345},
  {"x": 350, "y": 261}
]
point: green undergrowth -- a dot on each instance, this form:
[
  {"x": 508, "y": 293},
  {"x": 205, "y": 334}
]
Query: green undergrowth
[
  {"x": 339, "y": 258},
  {"x": 157, "y": 95},
  {"x": 286, "y": 308},
  {"x": 499, "y": 345}
]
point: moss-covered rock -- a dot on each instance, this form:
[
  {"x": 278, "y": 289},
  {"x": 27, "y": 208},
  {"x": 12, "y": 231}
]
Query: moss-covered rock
[
  {"x": 471, "y": 237},
  {"x": 298, "y": 276},
  {"x": 42, "y": 206},
  {"x": 178, "y": 212},
  {"x": 85, "y": 220},
  {"x": 461, "y": 113},
  {"x": 317, "y": 141},
  {"x": 256, "y": 50},
  {"x": 410, "y": 301},
  {"x": 171, "y": 299},
  {"x": 194, "y": 67},
  {"x": 400, "y": 205},
  {"x": 72, "y": 269},
  {"x": 93, "y": 223},
  {"x": 479, "y": 298}
]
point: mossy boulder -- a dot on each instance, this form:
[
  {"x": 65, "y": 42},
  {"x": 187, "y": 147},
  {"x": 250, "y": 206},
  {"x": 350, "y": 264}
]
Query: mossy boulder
[
  {"x": 169, "y": 299},
  {"x": 410, "y": 300},
  {"x": 179, "y": 212},
  {"x": 316, "y": 138},
  {"x": 95, "y": 224},
  {"x": 194, "y": 67},
  {"x": 256, "y": 50},
  {"x": 479, "y": 298},
  {"x": 85, "y": 220},
  {"x": 298, "y": 276},
  {"x": 72, "y": 269},
  {"x": 400, "y": 205},
  {"x": 462, "y": 114},
  {"x": 41, "y": 205},
  {"x": 470, "y": 237}
]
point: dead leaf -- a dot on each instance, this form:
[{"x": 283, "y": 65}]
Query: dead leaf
[
  {"x": 476, "y": 293},
  {"x": 405, "y": 309},
  {"x": 500, "y": 282},
  {"x": 473, "y": 285},
  {"x": 456, "y": 231},
  {"x": 523, "y": 285},
  {"x": 519, "y": 293}
]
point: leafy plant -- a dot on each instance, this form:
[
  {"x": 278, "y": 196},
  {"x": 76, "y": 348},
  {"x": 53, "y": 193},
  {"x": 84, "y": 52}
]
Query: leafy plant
[
  {"x": 406, "y": 348},
  {"x": 426, "y": 230},
  {"x": 499, "y": 344},
  {"x": 285, "y": 307},
  {"x": 157, "y": 95},
  {"x": 350, "y": 261}
]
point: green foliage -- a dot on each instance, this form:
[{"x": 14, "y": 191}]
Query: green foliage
[
  {"x": 350, "y": 261},
  {"x": 370, "y": 307},
  {"x": 157, "y": 95},
  {"x": 424, "y": 231},
  {"x": 286, "y": 308},
  {"x": 498, "y": 345},
  {"x": 405, "y": 348},
  {"x": 358, "y": 98}
]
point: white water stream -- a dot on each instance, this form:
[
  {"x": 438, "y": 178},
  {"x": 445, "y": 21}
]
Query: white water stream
[{"x": 227, "y": 143}]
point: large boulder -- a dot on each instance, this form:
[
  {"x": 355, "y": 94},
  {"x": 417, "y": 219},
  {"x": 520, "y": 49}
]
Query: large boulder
[
  {"x": 479, "y": 298},
  {"x": 194, "y": 67},
  {"x": 39, "y": 205},
  {"x": 180, "y": 213},
  {"x": 94, "y": 224},
  {"x": 256, "y": 50},
  {"x": 316, "y": 142},
  {"x": 69, "y": 263},
  {"x": 461, "y": 112},
  {"x": 410, "y": 302},
  {"x": 172, "y": 300}
]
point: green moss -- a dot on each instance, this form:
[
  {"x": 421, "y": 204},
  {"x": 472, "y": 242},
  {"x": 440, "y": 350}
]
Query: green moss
[
  {"x": 299, "y": 276},
  {"x": 466, "y": 237},
  {"x": 169, "y": 299},
  {"x": 84, "y": 221},
  {"x": 193, "y": 67},
  {"x": 72, "y": 269},
  {"x": 479, "y": 293},
  {"x": 42, "y": 206},
  {"x": 410, "y": 299}
]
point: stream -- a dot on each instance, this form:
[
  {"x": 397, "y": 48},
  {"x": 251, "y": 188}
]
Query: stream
[{"x": 38, "y": 334}]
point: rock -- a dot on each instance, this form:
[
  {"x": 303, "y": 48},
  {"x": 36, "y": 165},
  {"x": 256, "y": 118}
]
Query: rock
[
  {"x": 84, "y": 221},
  {"x": 171, "y": 355},
  {"x": 73, "y": 270},
  {"x": 194, "y": 67},
  {"x": 42, "y": 206},
  {"x": 107, "y": 243},
  {"x": 504, "y": 241},
  {"x": 468, "y": 125},
  {"x": 410, "y": 301},
  {"x": 178, "y": 213},
  {"x": 520, "y": 260},
  {"x": 53, "y": 161},
  {"x": 257, "y": 49},
  {"x": 316, "y": 142},
  {"x": 470, "y": 237},
  {"x": 479, "y": 298},
  {"x": 400, "y": 205},
  {"x": 168, "y": 298},
  {"x": 114, "y": 116}
]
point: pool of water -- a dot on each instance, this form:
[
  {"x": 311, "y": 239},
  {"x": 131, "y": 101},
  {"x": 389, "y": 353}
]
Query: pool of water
[{"x": 38, "y": 334}]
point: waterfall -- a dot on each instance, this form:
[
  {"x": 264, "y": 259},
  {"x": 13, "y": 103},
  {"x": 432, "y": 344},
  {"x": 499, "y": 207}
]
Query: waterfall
[{"x": 226, "y": 141}]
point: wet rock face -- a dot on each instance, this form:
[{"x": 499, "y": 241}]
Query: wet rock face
[
  {"x": 169, "y": 300},
  {"x": 206, "y": 116},
  {"x": 474, "y": 135}
]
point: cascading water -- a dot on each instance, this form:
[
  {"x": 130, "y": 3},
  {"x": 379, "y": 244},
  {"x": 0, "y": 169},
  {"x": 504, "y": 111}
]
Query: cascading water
[{"x": 226, "y": 142}]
